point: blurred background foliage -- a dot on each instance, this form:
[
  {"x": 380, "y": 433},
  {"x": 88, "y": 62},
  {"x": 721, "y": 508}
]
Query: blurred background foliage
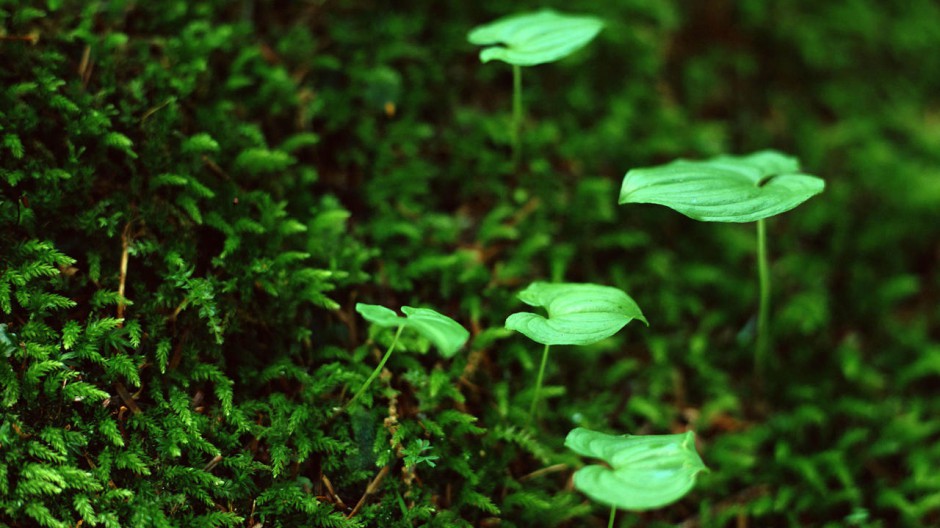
[{"x": 263, "y": 165}]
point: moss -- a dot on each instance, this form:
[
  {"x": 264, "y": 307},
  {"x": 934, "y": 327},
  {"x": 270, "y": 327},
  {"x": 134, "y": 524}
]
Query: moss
[{"x": 194, "y": 196}]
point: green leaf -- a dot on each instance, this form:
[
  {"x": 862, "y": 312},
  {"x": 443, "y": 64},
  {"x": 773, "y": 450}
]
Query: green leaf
[
  {"x": 724, "y": 189},
  {"x": 578, "y": 314},
  {"x": 14, "y": 145},
  {"x": 534, "y": 38},
  {"x": 445, "y": 333},
  {"x": 441, "y": 330},
  {"x": 256, "y": 161},
  {"x": 379, "y": 315},
  {"x": 644, "y": 472},
  {"x": 120, "y": 142},
  {"x": 200, "y": 143}
]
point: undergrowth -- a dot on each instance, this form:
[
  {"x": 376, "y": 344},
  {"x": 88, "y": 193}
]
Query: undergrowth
[{"x": 195, "y": 195}]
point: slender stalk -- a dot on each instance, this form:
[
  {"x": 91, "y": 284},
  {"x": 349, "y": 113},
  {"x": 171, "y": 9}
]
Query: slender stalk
[
  {"x": 763, "y": 314},
  {"x": 613, "y": 513},
  {"x": 538, "y": 384},
  {"x": 516, "y": 114},
  {"x": 375, "y": 373}
]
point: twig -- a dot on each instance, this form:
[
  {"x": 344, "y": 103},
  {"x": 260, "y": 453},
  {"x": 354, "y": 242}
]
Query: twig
[
  {"x": 544, "y": 471},
  {"x": 329, "y": 489},
  {"x": 122, "y": 276},
  {"x": 126, "y": 396},
  {"x": 214, "y": 167},
  {"x": 83, "y": 65},
  {"x": 370, "y": 489},
  {"x": 474, "y": 358},
  {"x": 156, "y": 109},
  {"x": 31, "y": 38},
  {"x": 523, "y": 212},
  {"x": 179, "y": 308},
  {"x": 178, "y": 351},
  {"x": 251, "y": 515},
  {"x": 86, "y": 66},
  {"x": 122, "y": 279},
  {"x": 19, "y": 432},
  {"x": 212, "y": 463}
]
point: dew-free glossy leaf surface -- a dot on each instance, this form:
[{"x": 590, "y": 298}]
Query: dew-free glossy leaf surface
[
  {"x": 534, "y": 38},
  {"x": 578, "y": 314},
  {"x": 724, "y": 189},
  {"x": 645, "y": 471},
  {"x": 379, "y": 315},
  {"x": 445, "y": 333}
]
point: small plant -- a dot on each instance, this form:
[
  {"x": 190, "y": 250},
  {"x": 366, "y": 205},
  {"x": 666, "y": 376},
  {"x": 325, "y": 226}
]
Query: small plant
[
  {"x": 729, "y": 189},
  {"x": 530, "y": 39},
  {"x": 641, "y": 472},
  {"x": 578, "y": 314},
  {"x": 418, "y": 452},
  {"x": 442, "y": 331}
]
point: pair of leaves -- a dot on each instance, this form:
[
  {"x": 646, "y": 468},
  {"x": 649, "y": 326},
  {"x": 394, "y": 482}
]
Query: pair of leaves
[
  {"x": 578, "y": 314},
  {"x": 442, "y": 331},
  {"x": 534, "y": 38},
  {"x": 642, "y": 472},
  {"x": 724, "y": 189}
]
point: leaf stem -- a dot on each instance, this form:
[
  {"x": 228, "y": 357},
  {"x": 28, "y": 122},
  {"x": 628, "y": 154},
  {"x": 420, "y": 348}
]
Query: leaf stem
[
  {"x": 375, "y": 372},
  {"x": 763, "y": 314},
  {"x": 516, "y": 113},
  {"x": 538, "y": 384},
  {"x": 613, "y": 513}
]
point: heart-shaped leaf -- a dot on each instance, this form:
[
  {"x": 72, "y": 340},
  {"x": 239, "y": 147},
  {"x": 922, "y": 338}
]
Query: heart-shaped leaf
[
  {"x": 445, "y": 333},
  {"x": 724, "y": 189},
  {"x": 534, "y": 38},
  {"x": 379, "y": 315},
  {"x": 578, "y": 314},
  {"x": 644, "y": 472}
]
